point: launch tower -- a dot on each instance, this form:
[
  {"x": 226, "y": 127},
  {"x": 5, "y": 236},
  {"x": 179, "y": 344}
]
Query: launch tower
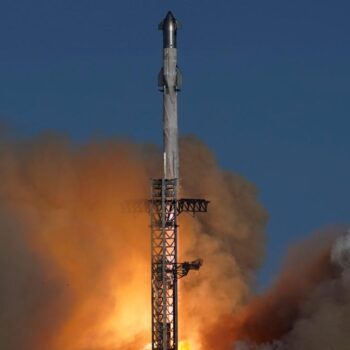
[{"x": 165, "y": 206}]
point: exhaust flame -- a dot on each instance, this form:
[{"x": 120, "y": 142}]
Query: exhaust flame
[
  {"x": 186, "y": 345},
  {"x": 74, "y": 267},
  {"x": 183, "y": 345}
]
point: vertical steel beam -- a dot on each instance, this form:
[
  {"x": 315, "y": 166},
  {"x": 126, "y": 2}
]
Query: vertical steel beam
[{"x": 163, "y": 212}]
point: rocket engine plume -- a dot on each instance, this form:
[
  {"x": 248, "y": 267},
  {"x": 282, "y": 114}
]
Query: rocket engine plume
[{"x": 74, "y": 267}]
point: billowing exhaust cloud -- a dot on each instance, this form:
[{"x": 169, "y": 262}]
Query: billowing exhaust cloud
[
  {"x": 75, "y": 265},
  {"x": 75, "y": 260},
  {"x": 307, "y": 308}
]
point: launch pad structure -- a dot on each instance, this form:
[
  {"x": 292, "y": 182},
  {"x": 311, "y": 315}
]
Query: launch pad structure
[{"x": 164, "y": 206}]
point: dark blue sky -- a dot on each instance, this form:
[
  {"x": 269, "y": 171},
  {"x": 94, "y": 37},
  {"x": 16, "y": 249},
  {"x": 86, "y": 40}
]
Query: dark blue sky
[{"x": 266, "y": 85}]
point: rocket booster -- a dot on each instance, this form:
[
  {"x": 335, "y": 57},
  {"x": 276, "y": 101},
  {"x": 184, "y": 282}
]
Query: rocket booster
[{"x": 169, "y": 82}]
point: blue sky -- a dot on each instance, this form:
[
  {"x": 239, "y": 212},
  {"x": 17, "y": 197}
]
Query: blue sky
[{"x": 266, "y": 86}]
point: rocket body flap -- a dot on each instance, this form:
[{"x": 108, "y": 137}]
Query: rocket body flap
[
  {"x": 178, "y": 79},
  {"x": 161, "y": 80}
]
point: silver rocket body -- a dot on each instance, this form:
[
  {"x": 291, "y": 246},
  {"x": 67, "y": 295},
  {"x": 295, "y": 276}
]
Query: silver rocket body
[{"x": 169, "y": 82}]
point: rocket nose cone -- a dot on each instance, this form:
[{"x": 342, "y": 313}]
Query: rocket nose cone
[
  {"x": 169, "y": 21},
  {"x": 169, "y": 15},
  {"x": 169, "y": 27}
]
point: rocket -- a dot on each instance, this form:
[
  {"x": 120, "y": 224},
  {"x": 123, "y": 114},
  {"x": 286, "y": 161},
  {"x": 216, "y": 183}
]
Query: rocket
[
  {"x": 164, "y": 206},
  {"x": 169, "y": 82}
]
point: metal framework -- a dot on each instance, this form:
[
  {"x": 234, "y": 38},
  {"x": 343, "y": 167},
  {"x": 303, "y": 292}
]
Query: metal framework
[
  {"x": 164, "y": 262},
  {"x": 164, "y": 208},
  {"x": 187, "y": 205}
]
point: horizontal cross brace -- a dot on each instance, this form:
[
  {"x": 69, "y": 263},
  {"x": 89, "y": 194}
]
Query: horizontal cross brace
[{"x": 183, "y": 205}]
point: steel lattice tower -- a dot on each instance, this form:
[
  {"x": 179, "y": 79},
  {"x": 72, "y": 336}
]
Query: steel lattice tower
[
  {"x": 164, "y": 264},
  {"x": 165, "y": 206}
]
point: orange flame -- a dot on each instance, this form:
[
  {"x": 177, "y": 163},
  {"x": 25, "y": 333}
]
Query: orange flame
[{"x": 84, "y": 262}]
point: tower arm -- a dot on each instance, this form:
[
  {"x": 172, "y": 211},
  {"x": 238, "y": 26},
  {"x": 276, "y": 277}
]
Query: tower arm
[{"x": 182, "y": 269}]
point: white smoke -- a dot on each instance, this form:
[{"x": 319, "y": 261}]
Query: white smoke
[
  {"x": 340, "y": 253},
  {"x": 320, "y": 320}
]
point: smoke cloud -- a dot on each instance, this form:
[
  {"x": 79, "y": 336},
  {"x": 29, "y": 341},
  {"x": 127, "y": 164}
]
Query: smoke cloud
[
  {"x": 74, "y": 264},
  {"x": 307, "y": 308},
  {"x": 75, "y": 260}
]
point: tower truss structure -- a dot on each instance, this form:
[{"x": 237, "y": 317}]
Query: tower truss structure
[{"x": 164, "y": 210}]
